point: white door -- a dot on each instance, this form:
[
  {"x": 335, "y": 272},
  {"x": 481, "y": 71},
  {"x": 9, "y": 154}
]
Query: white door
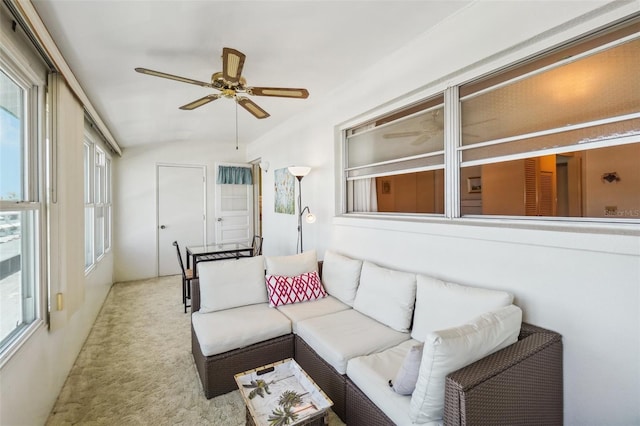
[
  {"x": 234, "y": 210},
  {"x": 181, "y": 212}
]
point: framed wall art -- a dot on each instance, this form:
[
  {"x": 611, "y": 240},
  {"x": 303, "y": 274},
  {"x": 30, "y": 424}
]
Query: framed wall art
[{"x": 284, "y": 191}]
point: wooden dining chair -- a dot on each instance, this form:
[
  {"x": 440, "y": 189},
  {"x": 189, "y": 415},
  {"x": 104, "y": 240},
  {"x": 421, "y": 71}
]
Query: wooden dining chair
[{"x": 187, "y": 276}]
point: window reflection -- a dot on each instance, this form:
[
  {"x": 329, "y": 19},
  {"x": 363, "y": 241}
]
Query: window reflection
[{"x": 597, "y": 183}]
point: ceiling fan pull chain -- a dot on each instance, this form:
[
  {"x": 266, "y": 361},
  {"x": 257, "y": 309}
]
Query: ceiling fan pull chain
[{"x": 236, "y": 124}]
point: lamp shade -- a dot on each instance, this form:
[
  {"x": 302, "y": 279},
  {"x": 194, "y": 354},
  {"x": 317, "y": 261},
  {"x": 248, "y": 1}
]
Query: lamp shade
[{"x": 299, "y": 171}]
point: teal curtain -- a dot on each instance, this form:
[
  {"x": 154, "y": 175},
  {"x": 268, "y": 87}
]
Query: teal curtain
[{"x": 234, "y": 175}]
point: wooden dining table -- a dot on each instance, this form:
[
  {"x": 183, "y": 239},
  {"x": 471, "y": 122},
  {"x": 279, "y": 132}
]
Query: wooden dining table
[{"x": 210, "y": 252}]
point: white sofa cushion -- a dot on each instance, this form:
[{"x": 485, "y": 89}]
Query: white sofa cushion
[
  {"x": 222, "y": 331},
  {"x": 371, "y": 374},
  {"x": 292, "y": 265},
  {"x": 446, "y": 351},
  {"x": 441, "y": 305},
  {"x": 341, "y": 276},
  {"x": 386, "y": 295},
  {"x": 297, "y": 312},
  {"x": 343, "y": 335},
  {"x": 230, "y": 283}
]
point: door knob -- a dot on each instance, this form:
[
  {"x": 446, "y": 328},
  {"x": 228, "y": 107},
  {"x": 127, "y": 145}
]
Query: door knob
[
  {"x": 162, "y": 227},
  {"x": 219, "y": 219}
]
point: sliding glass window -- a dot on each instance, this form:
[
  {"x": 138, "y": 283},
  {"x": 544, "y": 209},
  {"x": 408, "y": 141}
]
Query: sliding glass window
[
  {"x": 395, "y": 163},
  {"x": 555, "y": 136},
  {"x": 560, "y": 141}
]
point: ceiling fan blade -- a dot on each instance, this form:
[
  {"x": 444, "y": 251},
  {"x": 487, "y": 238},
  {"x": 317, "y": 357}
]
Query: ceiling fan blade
[
  {"x": 232, "y": 63},
  {"x": 199, "y": 102},
  {"x": 422, "y": 139},
  {"x": 253, "y": 108},
  {"x": 281, "y": 92},
  {"x": 173, "y": 77},
  {"x": 400, "y": 135},
  {"x": 480, "y": 122}
]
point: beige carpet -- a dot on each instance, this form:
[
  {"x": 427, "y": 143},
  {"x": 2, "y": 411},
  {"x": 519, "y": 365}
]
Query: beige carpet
[{"x": 136, "y": 366}]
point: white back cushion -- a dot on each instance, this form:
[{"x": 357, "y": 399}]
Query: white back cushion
[
  {"x": 341, "y": 276},
  {"x": 441, "y": 305},
  {"x": 386, "y": 295},
  {"x": 231, "y": 283},
  {"x": 446, "y": 351},
  {"x": 290, "y": 266}
]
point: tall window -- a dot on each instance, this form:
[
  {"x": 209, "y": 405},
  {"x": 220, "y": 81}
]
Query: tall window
[
  {"x": 20, "y": 207},
  {"x": 97, "y": 203}
]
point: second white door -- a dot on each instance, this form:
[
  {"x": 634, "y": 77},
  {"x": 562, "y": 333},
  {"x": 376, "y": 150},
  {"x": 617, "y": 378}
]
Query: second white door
[{"x": 234, "y": 210}]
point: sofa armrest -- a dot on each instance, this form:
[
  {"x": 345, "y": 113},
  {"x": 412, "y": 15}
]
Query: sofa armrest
[{"x": 520, "y": 384}]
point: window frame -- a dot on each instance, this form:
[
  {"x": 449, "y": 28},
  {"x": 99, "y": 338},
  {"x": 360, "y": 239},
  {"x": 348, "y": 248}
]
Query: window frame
[
  {"x": 453, "y": 147},
  {"x": 94, "y": 154},
  {"x": 16, "y": 67}
]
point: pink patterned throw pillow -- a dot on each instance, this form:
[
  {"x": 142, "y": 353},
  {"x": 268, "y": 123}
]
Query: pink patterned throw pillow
[{"x": 285, "y": 290}]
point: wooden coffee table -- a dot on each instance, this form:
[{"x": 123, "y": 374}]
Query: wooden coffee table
[{"x": 282, "y": 394}]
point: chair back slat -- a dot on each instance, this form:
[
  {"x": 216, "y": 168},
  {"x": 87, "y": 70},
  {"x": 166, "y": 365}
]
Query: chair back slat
[{"x": 184, "y": 273}]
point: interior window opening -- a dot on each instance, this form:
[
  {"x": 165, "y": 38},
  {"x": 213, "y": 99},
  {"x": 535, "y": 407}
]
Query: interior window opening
[
  {"x": 414, "y": 192},
  {"x": 595, "y": 183}
]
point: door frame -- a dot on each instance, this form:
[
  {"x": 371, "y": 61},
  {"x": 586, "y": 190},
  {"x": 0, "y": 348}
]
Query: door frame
[
  {"x": 217, "y": 203},
  {"x": 204, "y": 207}
]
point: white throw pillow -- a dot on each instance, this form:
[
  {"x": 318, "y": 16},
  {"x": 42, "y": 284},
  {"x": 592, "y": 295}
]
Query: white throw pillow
[
  {"x": 441, "y": 305},
  {"x": 290, "y": 266},
  {"x": 446, "y": 351},
  {"x": 231, "y": 283},
  {"x": 386, "y": 295},
  {"x": 341, "y": 276},
  {"x": 405, "y": 381}
]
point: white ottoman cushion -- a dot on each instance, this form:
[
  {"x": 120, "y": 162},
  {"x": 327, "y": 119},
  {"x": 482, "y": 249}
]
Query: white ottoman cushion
[{"x": 222, "y": 331}]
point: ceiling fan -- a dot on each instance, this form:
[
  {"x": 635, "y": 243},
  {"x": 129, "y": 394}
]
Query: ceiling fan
[
  {"x": 430, "y": 127},
  {"x": 231, "y": 84}
]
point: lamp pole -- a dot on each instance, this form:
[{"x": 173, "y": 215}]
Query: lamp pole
[
  {"x": 299, "y": 244},
  {"x": 299, "y": 172}
]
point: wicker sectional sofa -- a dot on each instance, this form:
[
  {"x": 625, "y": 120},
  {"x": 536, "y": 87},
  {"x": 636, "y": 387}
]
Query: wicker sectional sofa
[{"x": 464, "y": 352}]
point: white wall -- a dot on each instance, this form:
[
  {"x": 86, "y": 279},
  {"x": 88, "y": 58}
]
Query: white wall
[
  {"x": 32, "y": 379},
  {"x": 135, "y": 232},
  {"x": 581, "y": 283}
]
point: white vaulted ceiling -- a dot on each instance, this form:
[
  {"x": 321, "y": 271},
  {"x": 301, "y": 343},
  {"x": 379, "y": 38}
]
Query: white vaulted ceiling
[{"x": 318, "y": 45}]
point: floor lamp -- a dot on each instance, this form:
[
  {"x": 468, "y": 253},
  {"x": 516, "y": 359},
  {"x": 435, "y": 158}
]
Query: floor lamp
[{"x": 299, "y": 172}]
